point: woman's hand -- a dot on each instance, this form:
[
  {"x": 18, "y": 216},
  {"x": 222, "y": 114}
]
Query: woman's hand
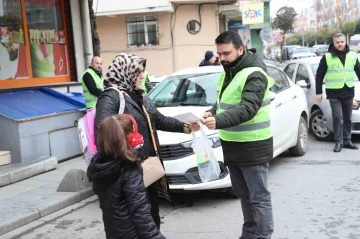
[{"x": 194, "y": 126}]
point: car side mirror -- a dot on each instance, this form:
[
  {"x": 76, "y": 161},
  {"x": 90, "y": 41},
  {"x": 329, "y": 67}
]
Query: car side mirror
[
  {"x": 303, "y": 84},
  {"x": 272, "y": 95}
]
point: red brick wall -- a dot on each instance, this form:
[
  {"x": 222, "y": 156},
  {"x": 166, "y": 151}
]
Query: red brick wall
[{"x": 69, "y": 40}]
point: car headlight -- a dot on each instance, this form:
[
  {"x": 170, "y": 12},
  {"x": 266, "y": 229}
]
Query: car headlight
[
  {"x": 356, "y": 104},
  {"x": 214, "y": 141}
]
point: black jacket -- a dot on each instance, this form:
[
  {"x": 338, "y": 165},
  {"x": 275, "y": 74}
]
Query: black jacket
[
  {"x": 90, "y": 83},
  {"x": 245, "y": 153},
  {"x": 108, "y": 104},
  {"x": 122, "y": 196},
  {"x": 208, "y": 63},
  {"x": 345, "y": 92}
]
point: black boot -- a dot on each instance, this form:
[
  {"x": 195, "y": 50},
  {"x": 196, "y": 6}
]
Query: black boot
[
  {"x": 338, "y": 147},
  {"x": 350, "y": 145}
]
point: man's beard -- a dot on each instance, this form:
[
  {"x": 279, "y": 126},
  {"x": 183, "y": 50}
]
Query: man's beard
[{"x": 226, "y": 63}]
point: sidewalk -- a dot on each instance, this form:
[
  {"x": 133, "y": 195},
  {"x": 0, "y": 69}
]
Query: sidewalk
[{"x": 30, "y": 199}]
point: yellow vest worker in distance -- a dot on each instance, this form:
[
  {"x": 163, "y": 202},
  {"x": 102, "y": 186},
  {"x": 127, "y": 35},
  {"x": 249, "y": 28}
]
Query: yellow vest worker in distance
[
  {"x": 242, "y": 116},
  {"x": 339, "y": 66},
  {"x": 146, "y": 85},
  {"x": 92, "y": 82}
]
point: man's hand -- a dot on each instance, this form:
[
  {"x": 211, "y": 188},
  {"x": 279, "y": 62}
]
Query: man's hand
[
  {"x": 207, "y": 114},
  {"x": 209, "y": 122},
  {"x": 319, "y": 97}
]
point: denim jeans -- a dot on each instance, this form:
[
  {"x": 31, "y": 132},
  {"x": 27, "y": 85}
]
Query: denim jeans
[
  {"x": 341, "y": 113},
  {"x": 249, "y": 184}
]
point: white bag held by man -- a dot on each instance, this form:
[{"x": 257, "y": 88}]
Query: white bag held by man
[{"x": 209, "y": 169}]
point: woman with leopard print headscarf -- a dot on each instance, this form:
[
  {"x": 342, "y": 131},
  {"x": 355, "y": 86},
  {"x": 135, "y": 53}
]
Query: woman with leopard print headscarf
[{"x": 126, "y": 74}]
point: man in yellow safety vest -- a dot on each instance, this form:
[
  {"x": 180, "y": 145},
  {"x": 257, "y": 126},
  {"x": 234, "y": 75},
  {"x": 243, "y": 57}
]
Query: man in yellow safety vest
[
  {"x": 242, "y": 116},
  {"x": 92, "y": 82},
  {"x": 339, "y": 66}
]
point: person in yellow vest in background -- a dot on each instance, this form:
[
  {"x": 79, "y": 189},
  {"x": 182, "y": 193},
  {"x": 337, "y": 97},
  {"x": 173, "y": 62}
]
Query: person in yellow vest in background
[
  {"x": 339, "y": 66},
  {"x": 146, "y": 84},
  {"x": 242, "y": 117},
  {"x": 92, "y": 82}
]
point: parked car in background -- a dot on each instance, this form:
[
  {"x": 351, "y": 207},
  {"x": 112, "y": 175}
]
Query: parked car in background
[
  {"x": 287, "y": 50},
  {"x": 319, "y": 50},
  {"x": 355, "y": 43},
  {"x": 301, "y": 52},
  {"x": 303, "y": 72},
  {"x": 194, "y": 90}
]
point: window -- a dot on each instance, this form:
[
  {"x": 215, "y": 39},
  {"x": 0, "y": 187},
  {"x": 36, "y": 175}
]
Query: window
[
  {"x": 281, "y": 82},
  {"x": 14, "y": 57},
  {"x": 302, "y": 74},
  {"x": 289, "y": 70},
  {"x": 47, "y": 38},
  {"x": 142, "y": 31},
  {"x": 194, "y": 89}
]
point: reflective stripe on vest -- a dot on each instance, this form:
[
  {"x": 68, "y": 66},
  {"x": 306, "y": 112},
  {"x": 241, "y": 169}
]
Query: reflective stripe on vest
[
  {"x": 337, "y": 75},
  {"x": 258, "y": 128},
  {"x": 90, "y": 99},
  {"x": 143, "y": 86}
]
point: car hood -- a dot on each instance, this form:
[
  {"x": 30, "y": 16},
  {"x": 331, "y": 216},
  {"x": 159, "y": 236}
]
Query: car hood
[{"x": 170, "y": 138}]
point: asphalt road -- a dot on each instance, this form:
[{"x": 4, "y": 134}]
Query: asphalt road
[{"x": 314, "y": 197}]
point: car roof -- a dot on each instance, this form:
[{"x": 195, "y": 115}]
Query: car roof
[
  {"x": 309, "y": 60},
  {"x": 203, "y": 69}
]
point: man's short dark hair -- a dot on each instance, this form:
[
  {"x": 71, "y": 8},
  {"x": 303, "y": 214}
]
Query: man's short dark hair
[{"x": 230, "y": 37}]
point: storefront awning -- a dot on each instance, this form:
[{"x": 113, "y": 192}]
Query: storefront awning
[{"x": 112, "y": 8}]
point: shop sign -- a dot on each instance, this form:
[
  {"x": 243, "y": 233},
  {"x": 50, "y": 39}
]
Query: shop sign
[{"x": 253, "y": 13}]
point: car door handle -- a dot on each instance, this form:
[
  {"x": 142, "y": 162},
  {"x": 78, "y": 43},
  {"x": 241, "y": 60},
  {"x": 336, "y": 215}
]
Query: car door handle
[
  {"x": 294, "y": 97},
  {"x": 278, "y": 105}
]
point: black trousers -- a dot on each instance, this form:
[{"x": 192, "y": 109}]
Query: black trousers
[
  {"x": 153, "y": 198},
  {"x": 341, "y": 113}
]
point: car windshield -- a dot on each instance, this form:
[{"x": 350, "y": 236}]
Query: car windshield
[
  {"x": 301, "y": 50},
  {"x": 194, "y": 89}
]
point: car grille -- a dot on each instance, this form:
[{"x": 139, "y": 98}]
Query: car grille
[
  {"x": 174, "y": 151},
  {"x": 192, "y": 176}
]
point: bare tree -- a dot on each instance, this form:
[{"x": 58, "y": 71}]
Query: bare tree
[{"x": 94, "y": 33}]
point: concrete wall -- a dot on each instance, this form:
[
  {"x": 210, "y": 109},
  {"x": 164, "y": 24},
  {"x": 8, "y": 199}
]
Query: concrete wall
[{"x": 163, "y": 59}]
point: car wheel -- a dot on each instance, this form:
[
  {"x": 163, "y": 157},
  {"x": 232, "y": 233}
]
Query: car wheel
[
  {"x": 319, "y": 127},
  {"x": 300, "y": 148}
]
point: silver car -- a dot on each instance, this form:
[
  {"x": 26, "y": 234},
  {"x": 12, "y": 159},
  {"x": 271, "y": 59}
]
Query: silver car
[
  {"x": 302, "y": 72},
  {"x": 301, "y": 52}
]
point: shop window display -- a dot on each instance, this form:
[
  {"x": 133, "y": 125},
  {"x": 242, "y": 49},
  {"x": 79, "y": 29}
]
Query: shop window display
[
  {"x": 13, "y": 60},
  {"x": 47, "y": 38}
]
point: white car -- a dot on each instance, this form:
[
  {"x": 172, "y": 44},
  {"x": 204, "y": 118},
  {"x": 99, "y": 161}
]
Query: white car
[
  {"x": 194, "y": 90},
  {"x": 303, "y": 72},
  {"x": 301, "y": 52}
]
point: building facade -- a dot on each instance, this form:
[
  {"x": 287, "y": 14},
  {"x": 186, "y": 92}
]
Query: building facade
[
  {"x": 42, "y": 43},
  {"x": 173, "y": 34}
]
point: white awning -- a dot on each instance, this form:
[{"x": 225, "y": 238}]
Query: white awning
[{"x": 112, "y": 8}]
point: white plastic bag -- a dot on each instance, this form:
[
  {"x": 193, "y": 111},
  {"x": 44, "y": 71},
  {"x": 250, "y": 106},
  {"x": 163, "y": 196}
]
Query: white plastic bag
[{"x": 209, "y": 169}]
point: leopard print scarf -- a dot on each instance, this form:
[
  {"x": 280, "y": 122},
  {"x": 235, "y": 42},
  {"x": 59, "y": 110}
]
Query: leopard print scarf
[{"x": 123, "y": 71}]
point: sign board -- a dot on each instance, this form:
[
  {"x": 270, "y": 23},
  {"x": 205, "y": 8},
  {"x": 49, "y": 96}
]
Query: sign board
[
  {"x": 252, "y": 13},
  {"x": 266, "y": 34},
  {"x": 279, "y": 39},
  {"x": 235, "y": 25}
]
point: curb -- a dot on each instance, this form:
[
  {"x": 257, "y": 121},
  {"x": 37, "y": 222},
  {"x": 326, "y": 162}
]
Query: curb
[
  {"x": 52, "y": 204},
  {"x": 14, "y": 173}
]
